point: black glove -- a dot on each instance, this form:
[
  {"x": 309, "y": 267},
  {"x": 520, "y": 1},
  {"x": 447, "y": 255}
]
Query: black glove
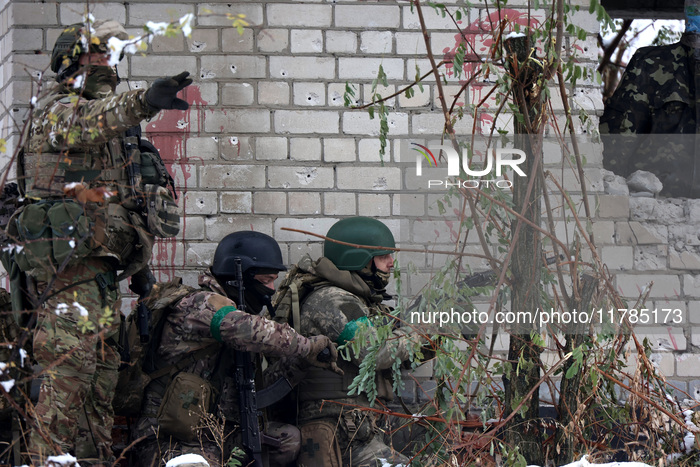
[{"x": 162, "y": 93}]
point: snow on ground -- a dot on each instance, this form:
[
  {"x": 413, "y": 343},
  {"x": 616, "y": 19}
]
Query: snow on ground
[{"x": 187, "y": 460}]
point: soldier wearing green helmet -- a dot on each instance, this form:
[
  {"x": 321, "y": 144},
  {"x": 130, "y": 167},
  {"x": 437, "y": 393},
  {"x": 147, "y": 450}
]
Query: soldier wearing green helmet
[{"x": 337, "y": 293}]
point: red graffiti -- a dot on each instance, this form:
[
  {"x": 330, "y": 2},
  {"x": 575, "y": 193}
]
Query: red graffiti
[{"x": 169, "y": 132}]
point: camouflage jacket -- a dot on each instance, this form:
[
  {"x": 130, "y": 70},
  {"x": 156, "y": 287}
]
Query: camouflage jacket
[
  {"x": 332, "y": 310},
  {"x": 188, "y": 329},
  {"x": 650, "y": 122},
  {"x": 90, "y": 130}
]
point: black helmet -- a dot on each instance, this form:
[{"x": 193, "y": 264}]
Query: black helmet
[
  {"x": 255, "y": 249},
  {"x": 360, "y": 231}
]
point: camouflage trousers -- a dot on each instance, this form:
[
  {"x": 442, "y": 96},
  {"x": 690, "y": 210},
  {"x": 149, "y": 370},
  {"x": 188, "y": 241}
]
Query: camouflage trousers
[
  {"x": 74, "y": 412},
  {"x": 355, "y": 434},
  {"x": 157, "y": 452}
]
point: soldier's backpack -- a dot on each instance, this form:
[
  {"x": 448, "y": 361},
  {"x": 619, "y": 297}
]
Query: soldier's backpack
[
  {"x": 135, "y": 376},
  {"x": 290, "y": 294}
]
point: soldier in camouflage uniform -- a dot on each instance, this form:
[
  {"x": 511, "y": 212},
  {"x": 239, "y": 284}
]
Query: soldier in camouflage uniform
[
  {"x": 650, "y": 123},
  {"x": 74, "y": 145},
  {"x": 208, "y": 319},
  {"x": 351, "y": 288}
]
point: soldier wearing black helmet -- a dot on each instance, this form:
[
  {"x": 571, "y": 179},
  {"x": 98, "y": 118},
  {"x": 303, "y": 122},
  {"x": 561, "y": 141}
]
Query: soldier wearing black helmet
[
  {"x": 348, "y": 286},
  {"x": 84, "y": 227},
  {"x": 199, "y": 336}
]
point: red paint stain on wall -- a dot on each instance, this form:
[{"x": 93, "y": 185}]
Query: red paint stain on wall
[{"x": 169, "y": 131}]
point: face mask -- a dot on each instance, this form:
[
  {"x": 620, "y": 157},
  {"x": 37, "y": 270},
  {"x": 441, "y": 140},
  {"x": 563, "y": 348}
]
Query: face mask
[
  {"x": 101, "y": 81},
  {"x": 382, "y": 277}
]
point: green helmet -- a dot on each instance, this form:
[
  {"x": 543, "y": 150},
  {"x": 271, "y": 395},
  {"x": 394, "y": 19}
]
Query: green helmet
[
  {"x": 72, "y": 41},
  {"x": 360, "y": 231}
]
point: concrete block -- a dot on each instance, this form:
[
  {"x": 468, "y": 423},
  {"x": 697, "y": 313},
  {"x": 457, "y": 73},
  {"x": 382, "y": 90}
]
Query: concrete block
[
  {"x": 233, "y": 148},
  {"x": 662, "y": 211},
  {"x": 232, "y": 42},
  {"x": 338, "y": 42},
  {"x": 636, "y": 233},
  {"x": 163, "y": 44},
  {"x": 376, "y": 42},
  {"x": 217, "y": 13},
  {"x": 299, "y": 14},
  {"x": 305, "y": 149},
  {"x": 273, "y": 40},
  {"x": 650, "y": 257},
  {"x": 665, "y": 285},
  {"x": 40, "y": 14},
  {"x": 309, "y": 94},
  {"x": 300, "y": 177},
  {"x": 664, "y": 362},
  {"x": 306, "y": 121},
  {"x": 203, "y": 40},
  {"x": 270, "y": 202},
  {"x": 200, "y": 203},
  {"x": 367, "y": 16},
  {"x": 374, "y": 205},
  {"x": 410, "y": 43},
  {"x": 359, "y": 123},
  {"x": 163, "y": 65},
  {"x": 232, "y": 176},
  {"x": 200, "y": 256},
  {"x": 618, "y": 257},
  {"x": 368, "y": 150},
  {"x": 662, "y": 339},
  {"x": 302, "y": 67},
  {"x": 242, "y": 121},
  {"x": 233, "y": 66},
  {"x": 684, "y": 260},
  {"x": 220, "y": 226},
  {"x": 339, "y": 149},
  {"x": 691, "y": 285},
  {"x": 192, "y": 228},
  {"x": 336, "y": 93},
  {"x": 304, "y": 203},
  {"x": 271, "y": 148},
  {"x": 351, "y": 68},
  {"x": 73, "y": 12},
  {"x": 237, "y": 94},
  {"x": 432, "y": 20},
  {"x": 141, "y": 13},
  {"x": 419, "y": 99},
  {"x": 306, "y": 41},
  {"x": 369, "y": 178},
  {"x": 273, "y": 93},
  {"x": 237, "y": 202},
  {"x": 319, "y": 225},
  {"x": 339, "y": 204},
  {"x": 405, "y": 205},
  {"x": 23, "y": 39},
  {"x": 604, "y": 232}
]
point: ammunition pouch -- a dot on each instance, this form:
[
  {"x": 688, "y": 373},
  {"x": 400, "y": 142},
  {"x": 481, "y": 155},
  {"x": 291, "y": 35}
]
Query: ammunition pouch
[
  {"x": 319, "y": 445},
  {"x": 187, "y": 399},
  {"x": 161, "y": 212}
]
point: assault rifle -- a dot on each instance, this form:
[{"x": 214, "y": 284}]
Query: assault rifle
[
  {"x": 141, "y": 284},
  {"x": 131, "y": 141}
]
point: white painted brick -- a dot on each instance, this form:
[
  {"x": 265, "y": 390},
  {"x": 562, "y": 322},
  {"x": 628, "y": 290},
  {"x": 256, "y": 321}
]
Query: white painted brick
[
  {"x": 232, "y": 176},
  {"x": 23, "y": 39},
  {"x": 192, "y": 228},
  {"x": 167, "y": 252},
  {"x": 237, "y": 202},
  {"x": 367, "y": 68},
  {"x": 214, "y": 14},
  {"x": 298, "y": 14},
  {"x": 318, "y": 225},
  {"x": 309, "y": 94},
  {"x": 33, "y": 13},
  {"x": 271, "y": 148},
  {"x": 410, "y": 43},
  {"x": 618, "y": 257},
  {"x": 163, "y": 44},
  {"x": 305, "y": 149},
  {"x": 359, "y": 123},
  {"x": 298, "y": 250},
  {"x": 383, "y": 91},
  {"x": 141, "y": 13},
  {"x": 665, "y": 285},
  {"x": 306, "y": 41},
  {"x": 273, "y": 40},
  {"x": 369, "y": 178},
  {"x": 373, "y": 205},
  {"x": 613, "y": 206},
  {"x": 233, "y": 66},
  {"x": 405, "y": 205},
  {"x": 302, "y": 67},
  {"x": 201, "y": 202},
  {"x": 73, "y": 12},
  {"x": 157, "y": 66},
  {"x": 368, "y": 150},
  {"x": 234, "y": 42},
  {"x": 433, "y": 20},
  {"x": 339, "y": 204},
  {"x": 429, "y": 123},
  {"x": 185, "y": 176},
  {"x": 604, "y": 232},
  {"x": 691, "y": 285},
  {"x": 339, "y": 149},
  {"x": 306, "y": 121},
  {"x": 273, "y": 93},
  {"x": 367, "y": 16},
  {"x": 419, "y": 98},
  {"x": 204, "y": 148},
  {"x": 586, "y": 20},
  {"x": 376, "y": 42},
  {"x": 300, "y": 177},
  {"x": 270, "y": 202},
  {"x": 304, "y": 203},
  {"x": 237, "y": 94},
  {"x": 200, "y": 256},
  {"x": 203, "y": 41},
  {"x": 336, "y": 91},
  {"x": 243, "y": 121},
  {"x": 234, "y": 148},
  {"x": 220, "y": 226},
  {"x": 341, "y": 42}
]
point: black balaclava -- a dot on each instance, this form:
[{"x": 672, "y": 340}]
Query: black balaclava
[{"x": 256, "y": 294}]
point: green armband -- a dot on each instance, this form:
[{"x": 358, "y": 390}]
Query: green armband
[
  {"x": 349, "y": 330},
  {"x": 215, "y": 324}
]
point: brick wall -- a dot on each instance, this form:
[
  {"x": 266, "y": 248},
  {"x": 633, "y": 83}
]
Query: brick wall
[{"x": 267, "y": 142}]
